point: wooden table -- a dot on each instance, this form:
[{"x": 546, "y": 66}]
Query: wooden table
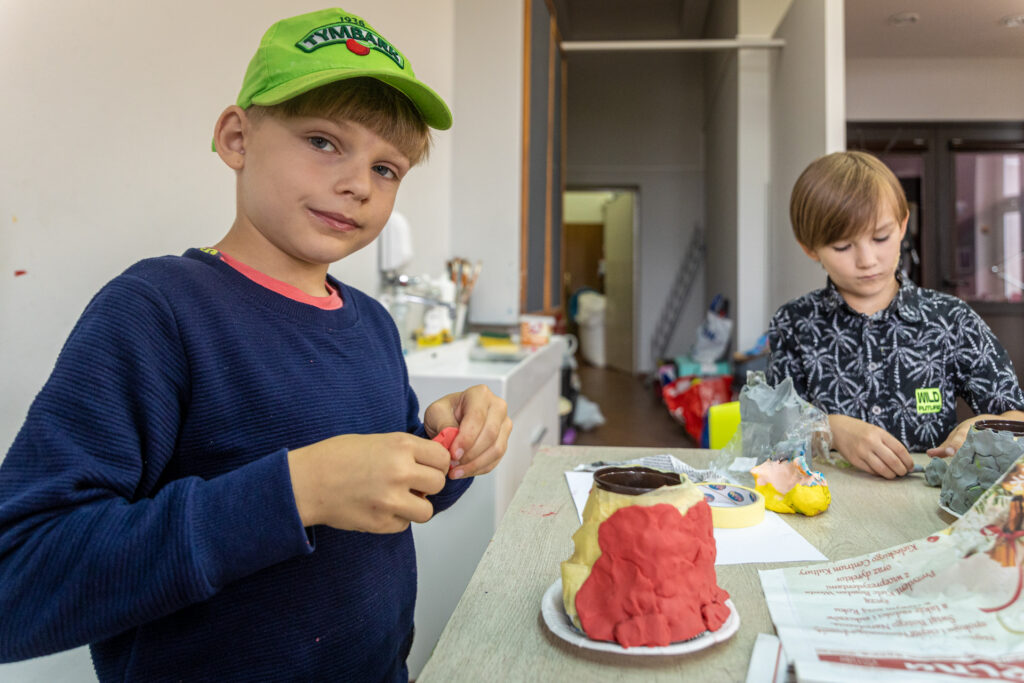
[{"x": 497, "y": 633}]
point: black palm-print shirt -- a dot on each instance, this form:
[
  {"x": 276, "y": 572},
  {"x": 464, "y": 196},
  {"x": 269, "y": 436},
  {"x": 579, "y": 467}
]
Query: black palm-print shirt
[{"x": 900, "y": 368}]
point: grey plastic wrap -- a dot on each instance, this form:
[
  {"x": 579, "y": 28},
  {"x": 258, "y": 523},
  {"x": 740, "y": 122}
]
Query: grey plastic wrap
[{"x": 775, "y": 423}]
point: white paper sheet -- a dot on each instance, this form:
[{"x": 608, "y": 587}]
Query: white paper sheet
[{"x": 770, "y": 541}]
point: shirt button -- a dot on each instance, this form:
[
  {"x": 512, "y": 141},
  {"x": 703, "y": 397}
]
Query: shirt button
[
  {"x": 873, "y": 366},
  {"x": 876, "y": 410}
]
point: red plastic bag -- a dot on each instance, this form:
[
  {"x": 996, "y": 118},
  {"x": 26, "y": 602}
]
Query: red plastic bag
[{"x": 689, "y": 399}]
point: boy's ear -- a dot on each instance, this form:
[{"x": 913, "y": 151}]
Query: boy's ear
[
  {"x": 812, "y": 253},
  {"x": 229, "y": 136}
]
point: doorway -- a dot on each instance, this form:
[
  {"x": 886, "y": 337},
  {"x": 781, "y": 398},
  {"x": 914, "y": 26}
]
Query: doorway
[{"x": 598, "y": 255}]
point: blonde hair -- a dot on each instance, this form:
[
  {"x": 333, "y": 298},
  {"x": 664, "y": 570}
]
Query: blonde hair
[
  {"x": 366, "y": 101},
  {"x": 837, "y": 197}
]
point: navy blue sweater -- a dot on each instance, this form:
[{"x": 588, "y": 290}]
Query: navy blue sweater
[{"x": 146, "y": 506}]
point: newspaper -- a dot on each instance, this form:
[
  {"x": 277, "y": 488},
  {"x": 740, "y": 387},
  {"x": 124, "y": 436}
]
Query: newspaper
[
  {"x": 665, "y": 462},
  {"x": 946, "y": 607}
]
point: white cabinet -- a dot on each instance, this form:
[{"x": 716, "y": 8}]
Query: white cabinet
[{"x": 449, "y": 547}]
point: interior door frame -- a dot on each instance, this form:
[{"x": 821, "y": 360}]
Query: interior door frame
[{"x": 635, "y": 191}]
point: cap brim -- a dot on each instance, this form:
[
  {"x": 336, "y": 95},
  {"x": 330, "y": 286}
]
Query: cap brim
[{"x": 431, "y": 106}]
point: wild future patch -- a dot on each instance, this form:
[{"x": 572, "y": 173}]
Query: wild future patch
[{"x": 928, "y": 401}]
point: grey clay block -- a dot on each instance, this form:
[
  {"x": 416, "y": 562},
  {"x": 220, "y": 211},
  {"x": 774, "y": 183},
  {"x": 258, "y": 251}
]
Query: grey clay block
[{"x": 985, "y": 455}]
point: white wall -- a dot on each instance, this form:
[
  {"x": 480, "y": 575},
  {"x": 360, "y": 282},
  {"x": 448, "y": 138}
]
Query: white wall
[
  {"x": 105, "y": 147},
  {"x": 486, "y": 175},
  {"x": 760, "y": 18},
  {"x": 934, "y": 89},
  {"x": 808, "y": 121},
  {"x": 585, "y": 207},
  {"x": 750, "y": 310},
  {"x": 721, "y": 137},
  {"x": 738, "y": 137},
  {"x": 634, "y": 121},
  {"x": 769, "y": 113}
]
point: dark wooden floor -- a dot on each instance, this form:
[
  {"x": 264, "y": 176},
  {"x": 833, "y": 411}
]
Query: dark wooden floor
[{"x": 634, "y": 413}]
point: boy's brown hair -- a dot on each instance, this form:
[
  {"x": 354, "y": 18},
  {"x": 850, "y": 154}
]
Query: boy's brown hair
[
  {"x": 366, "y": 101},
  {"x": 838, "y": 196}
]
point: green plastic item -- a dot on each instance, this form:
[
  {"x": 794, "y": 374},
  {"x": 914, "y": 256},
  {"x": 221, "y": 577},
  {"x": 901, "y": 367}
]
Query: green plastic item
[{"x": 686, "y": 366}]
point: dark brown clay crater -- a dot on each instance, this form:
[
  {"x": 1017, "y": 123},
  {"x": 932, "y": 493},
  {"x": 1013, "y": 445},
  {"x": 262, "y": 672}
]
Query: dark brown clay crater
[{"x": 634, "y": 481}]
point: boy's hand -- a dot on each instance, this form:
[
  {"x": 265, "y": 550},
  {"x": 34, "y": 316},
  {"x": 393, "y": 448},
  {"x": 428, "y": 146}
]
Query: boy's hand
[
  {"x": 371, "y": 482},
  {"x": 869, "y": 448},
  {"x": 484, "y": 427},
  {"x": 956, "y": 437}
]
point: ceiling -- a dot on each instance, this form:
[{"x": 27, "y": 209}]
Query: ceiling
[{"x": 944, "y": 28}]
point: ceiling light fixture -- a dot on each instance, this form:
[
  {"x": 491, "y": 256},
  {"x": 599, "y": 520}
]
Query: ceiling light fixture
[
  {"x": 904, "y": 18},
  {"x": 1012, "y": 21}
]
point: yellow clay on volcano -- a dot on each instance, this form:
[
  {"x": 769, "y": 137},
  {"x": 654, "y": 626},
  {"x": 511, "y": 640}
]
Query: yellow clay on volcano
[{"x": 601, "y": 504}]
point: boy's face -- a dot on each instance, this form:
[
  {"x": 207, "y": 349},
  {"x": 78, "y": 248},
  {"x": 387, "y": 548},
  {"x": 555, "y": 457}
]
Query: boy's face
[
  {"x": 314, "y": 189},
  {"x": 863, "y": 267}
]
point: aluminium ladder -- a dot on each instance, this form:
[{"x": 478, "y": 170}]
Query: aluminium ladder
[{"x": 677, "y": 295}]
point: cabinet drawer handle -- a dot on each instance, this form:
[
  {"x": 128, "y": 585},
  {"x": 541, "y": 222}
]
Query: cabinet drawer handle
[{"x": 538, "y": 434}]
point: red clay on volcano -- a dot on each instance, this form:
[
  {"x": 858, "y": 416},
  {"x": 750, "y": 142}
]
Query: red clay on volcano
[{"x": 654, "y": 583}]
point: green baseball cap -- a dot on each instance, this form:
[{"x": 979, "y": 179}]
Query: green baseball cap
[{"x": 314, "y": 49}]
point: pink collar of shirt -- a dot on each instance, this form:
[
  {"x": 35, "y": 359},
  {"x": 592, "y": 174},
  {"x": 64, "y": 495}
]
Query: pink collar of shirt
[{"x": 330, "y": 302}]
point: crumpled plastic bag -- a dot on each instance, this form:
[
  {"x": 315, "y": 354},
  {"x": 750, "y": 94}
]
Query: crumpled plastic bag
[
  {"x": 587, "y": 414},
  {"x": 688, "y": 400},
  {"x": 774, "y": 423},
  {"x": 712, "y": 338}
]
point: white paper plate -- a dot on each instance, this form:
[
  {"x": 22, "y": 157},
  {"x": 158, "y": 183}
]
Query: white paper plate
[
  {"x": 558, "y": 621},
  {"x": 946, "y": 509}
]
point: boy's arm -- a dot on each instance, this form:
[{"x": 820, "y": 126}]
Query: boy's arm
[
  {"x": 985, "y": 378},
  {"x": 379, "y": 483},
  {"x": 367, "y": 482},
  {"x": 83, "y": 554},
  {"x": 868, "y": 447},
  {"x": 957, "y": 437},
  {"x": 484, "y": 427},
  {"x": 483, "y": 430},
  {"x": 864, "y": 445}
]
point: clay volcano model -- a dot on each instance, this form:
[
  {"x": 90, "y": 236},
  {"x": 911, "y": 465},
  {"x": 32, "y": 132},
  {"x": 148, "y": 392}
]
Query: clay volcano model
[
  {"x": 990, "y": 448},
  {"x": 643, "y": 570}
]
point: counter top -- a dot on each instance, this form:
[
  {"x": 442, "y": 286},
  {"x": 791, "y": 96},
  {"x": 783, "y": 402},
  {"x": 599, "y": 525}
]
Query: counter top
[
  {"x": 438, "y": 370},
  {"x": 497, "y": 632}
]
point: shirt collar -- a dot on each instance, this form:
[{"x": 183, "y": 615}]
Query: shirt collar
[
  {"x": 906, "y": 303},
  {"x": 908, "y": 300},
  {"x": 832, "y": 298}
]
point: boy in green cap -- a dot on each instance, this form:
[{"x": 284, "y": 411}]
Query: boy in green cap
[{"x": 217, "y": 480}]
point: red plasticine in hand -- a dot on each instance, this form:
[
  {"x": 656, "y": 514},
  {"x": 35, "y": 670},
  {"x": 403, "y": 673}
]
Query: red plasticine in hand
[
  {"x": 654, "y": 583},
  {"x": 446, "y": 436}
]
